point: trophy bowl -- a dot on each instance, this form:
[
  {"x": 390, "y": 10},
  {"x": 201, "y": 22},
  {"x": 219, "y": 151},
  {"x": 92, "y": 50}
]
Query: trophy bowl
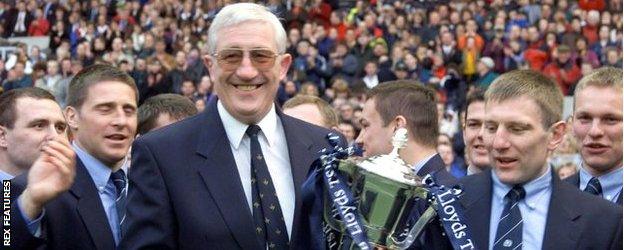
[{"x": 385, "y": 188}]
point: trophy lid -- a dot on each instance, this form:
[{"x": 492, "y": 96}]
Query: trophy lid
[{"x": 391, "y": 166}]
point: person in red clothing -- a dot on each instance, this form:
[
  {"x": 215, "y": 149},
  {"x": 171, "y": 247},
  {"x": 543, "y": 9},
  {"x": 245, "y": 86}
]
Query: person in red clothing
[
  {"x": 598, "y": 5},
  {"x": 563, "y": 70},
  {"x": 320, "y": 13},
  {"x": 40, "y": 26},
  {"x": 590, "y": 31}
]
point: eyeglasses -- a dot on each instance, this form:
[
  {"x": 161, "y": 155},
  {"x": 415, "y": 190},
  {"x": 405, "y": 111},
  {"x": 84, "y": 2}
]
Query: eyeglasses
[{"x": 230, "y": 59}]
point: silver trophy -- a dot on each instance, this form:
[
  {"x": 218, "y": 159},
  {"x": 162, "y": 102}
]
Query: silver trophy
[{"x": 385, "y": 188}]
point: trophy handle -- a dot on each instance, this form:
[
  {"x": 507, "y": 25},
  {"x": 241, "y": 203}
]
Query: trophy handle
[{"x": 414, "y": 232}]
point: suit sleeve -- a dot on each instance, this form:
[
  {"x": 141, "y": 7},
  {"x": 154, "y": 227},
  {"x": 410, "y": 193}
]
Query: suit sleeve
[
  {"x": 21, "y": 236},
  {"x": 150, "y": 221}
]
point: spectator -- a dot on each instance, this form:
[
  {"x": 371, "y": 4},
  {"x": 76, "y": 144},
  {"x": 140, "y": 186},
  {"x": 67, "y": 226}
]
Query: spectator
[
  {"x": 18, "y": 79},
  {"x": 39, "y": 26},
  {"x": 486, "y": 73},
  {"x": 50, "y": 81},
  {"x": 565, "y": 71}
]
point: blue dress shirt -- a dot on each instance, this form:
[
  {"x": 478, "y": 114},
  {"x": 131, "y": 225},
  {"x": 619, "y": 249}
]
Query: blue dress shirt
[
  {"x": 5, "y": 176},
  {"x": 611, "y": 183},
  {"x": 534, "y": 209},
  {"x": 100, "y": 174}
]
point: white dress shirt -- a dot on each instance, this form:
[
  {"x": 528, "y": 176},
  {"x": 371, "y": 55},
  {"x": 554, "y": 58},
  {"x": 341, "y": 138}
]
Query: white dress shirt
[{"x": 275, "y": 150}]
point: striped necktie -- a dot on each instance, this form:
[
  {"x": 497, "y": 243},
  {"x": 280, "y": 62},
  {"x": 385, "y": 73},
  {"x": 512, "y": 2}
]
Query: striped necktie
[
  {"x": 509, "y": 232},
  {"x": 594, "y": 187},
  {"x": 119, "y": 179}
]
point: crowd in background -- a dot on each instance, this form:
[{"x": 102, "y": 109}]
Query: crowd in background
[{"x": 340, "y": 49}]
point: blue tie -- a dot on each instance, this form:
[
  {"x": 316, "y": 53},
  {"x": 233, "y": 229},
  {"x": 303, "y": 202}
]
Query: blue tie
[
  {"x": 267, "y": 213},
  {"x": 509, "y": 232},
  {"x": 594, "y": 187},
  {"x": 119, "y": 179}
]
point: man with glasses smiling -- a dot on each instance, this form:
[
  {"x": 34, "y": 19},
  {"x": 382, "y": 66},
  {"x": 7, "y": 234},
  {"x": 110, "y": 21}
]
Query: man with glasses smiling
[{"x": 230, "y": 177}]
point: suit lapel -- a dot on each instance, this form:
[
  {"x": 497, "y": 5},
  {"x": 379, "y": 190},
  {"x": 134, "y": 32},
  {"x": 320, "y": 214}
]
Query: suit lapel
[
  {"x": 90, "y": 209},
  {"x": 301, "y": 158},
  {"x": 221, "y": 177},
  {"x": 561, "y": 230},
  {"x": 477, "y": 200}
]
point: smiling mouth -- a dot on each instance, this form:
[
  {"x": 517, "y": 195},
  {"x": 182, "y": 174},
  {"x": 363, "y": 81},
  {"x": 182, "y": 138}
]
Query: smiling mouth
[{"x": 247, "y": 87}]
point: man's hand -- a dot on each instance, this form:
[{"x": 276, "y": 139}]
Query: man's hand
[{"x": 51, "y": 174}]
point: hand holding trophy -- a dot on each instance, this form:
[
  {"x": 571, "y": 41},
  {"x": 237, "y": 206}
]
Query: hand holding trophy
[{"x": 371, "y": 203}]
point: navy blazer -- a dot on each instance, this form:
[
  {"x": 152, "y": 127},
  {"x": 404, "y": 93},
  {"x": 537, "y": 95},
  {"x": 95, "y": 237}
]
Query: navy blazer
[
  {"x": 433, "y": 237},
  {"x": 185, "y": 191},
  {"x": 73, "y": 220},
  {"x": 576, "y": 220},
  {"x": 575, "y": 180}
]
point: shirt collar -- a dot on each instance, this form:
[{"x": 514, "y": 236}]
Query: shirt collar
[
  {"x": 534, "y": 189},
  {"x": 235, "y": 129},
  {"x": 608, "y": 181},
  {"x": 419, "y": 165},
  {"x": 99, "y": 172}
]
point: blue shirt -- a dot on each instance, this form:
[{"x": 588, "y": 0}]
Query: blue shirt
[
  {"x": 534, "y": 209},
  {"x": 419, "y": 165},
  {"x": 5, "y": 176},
  {"x": 100, "y": 174},
  {"x": 611, "y": 183}
]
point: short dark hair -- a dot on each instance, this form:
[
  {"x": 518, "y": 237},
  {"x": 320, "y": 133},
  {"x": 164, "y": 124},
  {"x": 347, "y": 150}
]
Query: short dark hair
[
  {"x": 94, "y": 74},
  {"x": 8, "y": 100},
  {"x": 177, "y": 106},
  {"x": 415, "y": 102},
  {"x": 477, "y": 96}
]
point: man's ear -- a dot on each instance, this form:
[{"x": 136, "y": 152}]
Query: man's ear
[
  {"x": 400, "y": 122},
  {"x": 556, "y": 135},
  {"x": 71, "y": 115},
  {"x": 285, "y": 61},
  {"x": 3, "y": 134}
]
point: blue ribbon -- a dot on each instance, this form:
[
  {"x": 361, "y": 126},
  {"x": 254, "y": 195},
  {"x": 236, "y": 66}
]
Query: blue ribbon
[
  {"x": 451, "y": 214},
  {"x": 340, "y": 194}
]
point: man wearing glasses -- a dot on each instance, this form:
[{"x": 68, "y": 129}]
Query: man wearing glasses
[{"x": 230, "y": 177}]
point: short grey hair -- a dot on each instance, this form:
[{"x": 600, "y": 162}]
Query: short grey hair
[{"x": 235, "y": 14}]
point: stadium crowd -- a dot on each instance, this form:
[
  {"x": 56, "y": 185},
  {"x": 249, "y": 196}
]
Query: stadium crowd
[{"x": 340, "y": 49}]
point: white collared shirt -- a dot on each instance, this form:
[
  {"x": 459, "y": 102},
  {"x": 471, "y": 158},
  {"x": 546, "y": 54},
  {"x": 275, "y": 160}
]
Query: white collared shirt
[{"x": 275, "y": 150}]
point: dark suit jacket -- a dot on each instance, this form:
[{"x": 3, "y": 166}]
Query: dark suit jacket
[
  {"x": 575, "y": 180},
  {"x": 433, "y": 237},
  {"x": 185, "y": 190},
  {"x": 576, "y": 220},
  {"x": 11, "y": 20},
  {"x": 74, "y": 220}
]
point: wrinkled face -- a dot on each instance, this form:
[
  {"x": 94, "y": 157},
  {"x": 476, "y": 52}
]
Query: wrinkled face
[
  {"x": 105, "y": 124},
  {"x": 375, "y": 138},
  {"x": 475, "y": 147},
  {"x": 516, "y": 140},
  {"x": 37, "y": 121},
  {"x": 307, "y": 112},
  {"x": 597, "y": 126},
  {"x": 246, "y": 91}
]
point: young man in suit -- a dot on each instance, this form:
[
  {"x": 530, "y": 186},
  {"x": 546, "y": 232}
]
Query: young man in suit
[
  {"x": 407, "y": 104},
  {"x": 29, "y": 119},
  {"x": 597, "y": 126},
  {"x": 520, "y": 202},
  {"x": 477, "y": 155},
  {"x": 58, "y": 211},
  {"x": 233, "y": 178}
]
